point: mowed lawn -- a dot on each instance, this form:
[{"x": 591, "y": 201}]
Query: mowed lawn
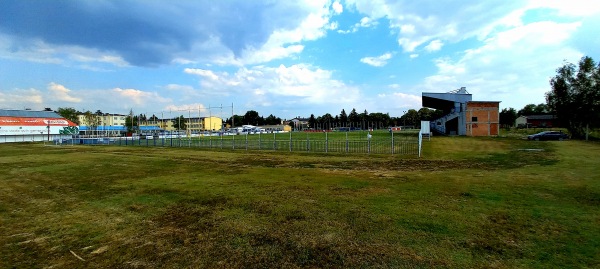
[{"x": 468, "y": 203}]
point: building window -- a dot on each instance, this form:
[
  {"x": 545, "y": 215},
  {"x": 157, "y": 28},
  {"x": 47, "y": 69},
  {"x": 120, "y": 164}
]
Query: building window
[{"x": 474, "y": 119}]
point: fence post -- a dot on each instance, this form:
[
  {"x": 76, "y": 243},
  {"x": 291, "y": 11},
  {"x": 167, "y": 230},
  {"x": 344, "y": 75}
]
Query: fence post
[
  {"x": 246, "y": 141},
  {"x": 290, "y": 141},
  {"x": 420, "y": 143},
  {"x": 392, "y": 141},
  {"x": 346, "y": 141},
  {"x": 274, "y": 141},
  {"x": 259, "y": 142},
  {"x": 326, "y": 143},
  {"x": 307, "y": 143},
  {"x": 233, "y": 142}
]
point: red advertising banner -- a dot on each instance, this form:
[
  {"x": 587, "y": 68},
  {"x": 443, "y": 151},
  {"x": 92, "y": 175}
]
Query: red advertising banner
[{"x": 27, "y": 122}]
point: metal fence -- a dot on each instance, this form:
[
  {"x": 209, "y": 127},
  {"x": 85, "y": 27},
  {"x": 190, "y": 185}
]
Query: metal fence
[{"x": 388, "y": 144}]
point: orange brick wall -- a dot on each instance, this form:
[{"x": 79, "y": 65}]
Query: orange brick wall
[{"x": 487, "y": 118}]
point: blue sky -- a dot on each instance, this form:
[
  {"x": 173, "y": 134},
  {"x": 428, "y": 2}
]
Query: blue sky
[{"x": 286, "y": 58}]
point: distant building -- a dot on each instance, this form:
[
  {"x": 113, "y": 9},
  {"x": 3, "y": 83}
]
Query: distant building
[
  {"x": 462, "y": 116},
  {"x": 300, "y": 123},
  {"x": 536, "y": 121},
  {"x": 29, "y": 126},
  {"x": 115, "y": 124},
  {"x": 277, "y": 128}
]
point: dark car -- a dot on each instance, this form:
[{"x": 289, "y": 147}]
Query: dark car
[{"x": 548, "y": 135}]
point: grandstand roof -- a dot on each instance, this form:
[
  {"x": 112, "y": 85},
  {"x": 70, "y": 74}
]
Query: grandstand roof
[{"x": 29, "y": 114}]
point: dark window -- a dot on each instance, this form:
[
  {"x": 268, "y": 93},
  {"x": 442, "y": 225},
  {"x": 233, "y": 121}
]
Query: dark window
[{"x": 474, "y": 119}]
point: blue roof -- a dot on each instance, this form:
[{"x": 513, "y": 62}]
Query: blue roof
[
  {"x": 118, "y": 128},
  {"x": 150, "y": 128},
  {"x": 29, "y": 114}
]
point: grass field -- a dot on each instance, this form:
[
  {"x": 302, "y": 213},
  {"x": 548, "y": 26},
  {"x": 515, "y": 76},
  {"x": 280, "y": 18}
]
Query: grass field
[
  {"x": 468, "y": 203},
  {"x": 380, "y": 142}
]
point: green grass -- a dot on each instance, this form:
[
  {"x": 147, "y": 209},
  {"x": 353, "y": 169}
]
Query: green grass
[
  {"x": 381, "y": 142},
  {"x": 468, "y": 203}
]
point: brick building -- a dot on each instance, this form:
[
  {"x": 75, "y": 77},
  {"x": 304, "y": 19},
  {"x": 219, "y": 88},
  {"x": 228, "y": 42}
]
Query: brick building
[
  {"x": 483, "y": 118},
  {"x": 462, "y": 115}
]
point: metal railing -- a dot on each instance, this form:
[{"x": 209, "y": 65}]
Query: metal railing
[{"x": 401, "y": 145}]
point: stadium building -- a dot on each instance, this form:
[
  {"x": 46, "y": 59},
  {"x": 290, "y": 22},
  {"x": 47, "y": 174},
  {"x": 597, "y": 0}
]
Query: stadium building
[
  {"x": 30, "y": 126},
  {"x": 462, "y": 115}
]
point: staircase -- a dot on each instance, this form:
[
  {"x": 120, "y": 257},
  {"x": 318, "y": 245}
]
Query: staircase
[{"x": 439, "y": 125}]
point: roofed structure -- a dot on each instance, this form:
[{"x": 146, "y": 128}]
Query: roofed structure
[{"x": 455, "y": 105}]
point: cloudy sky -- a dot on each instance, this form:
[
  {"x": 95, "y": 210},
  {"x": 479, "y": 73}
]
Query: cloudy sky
[{"x": 287, "y": 58}]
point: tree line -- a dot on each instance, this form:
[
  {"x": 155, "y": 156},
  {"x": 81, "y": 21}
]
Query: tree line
[
  {"x": 574, "y": 99},
  {"x": 365, "y": 119}
]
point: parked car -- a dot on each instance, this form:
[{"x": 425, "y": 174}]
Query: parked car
[{"x": 548, "y": 135}]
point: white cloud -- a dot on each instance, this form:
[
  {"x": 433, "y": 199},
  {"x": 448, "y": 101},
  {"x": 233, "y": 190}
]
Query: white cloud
[
  {"x": 510, "y": 65},
  {"x": 284, "y": 42},
  {"x": 61, "y": 93},
  {"x": 378, "y": 61},
  {"x": 365, "y": 22},
  {"x": 295, "y": 84},
  {"x": 434, "y": 45},
  {"x": 427, "y": 21},
  {"x": 407, "y": 29},
  {"x": 414, "y": 55},
  {"x": 579, "y": 8},
  {"x": 202, "y": 72},
  {"x": 21, "y": 99},
  {"x": 396, "y": 102},
  {"x": 194, "y": 110},
  {"x": 337, "y": 7},
  {"x": 137, "y": 97},
  {"x": 229, "y": 33}
]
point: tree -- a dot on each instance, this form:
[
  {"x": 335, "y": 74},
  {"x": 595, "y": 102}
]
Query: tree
[
  {"x": 131, "y": 122},
  {"x": 92, "y": 120},
  {"x": 575, "y": 96},
  {"x": 179, "y": 123},
  {"x": 272, "y": 120},
  {"x": 69, "y": 113},
  {"x": 153, "y": 118},
  {"x": 343, "y": 118},
  {"x": 312, "y": 122},
  {"x": 235, "y": 120},
  {"x": 508, "y": 117},
  {"x": 411, "y": 118},
  {"x": 326, "y": 121},
  {"x": 251, "y": 117},
  {"x": 378, "y": 120},
  {"x": 541, "y": 109},
  {"x": 425, "y": 113},
  {"x": 527, "y": 110},
  {"x": 353, "y": 116},
  {"x": 364, "y": 117}
]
